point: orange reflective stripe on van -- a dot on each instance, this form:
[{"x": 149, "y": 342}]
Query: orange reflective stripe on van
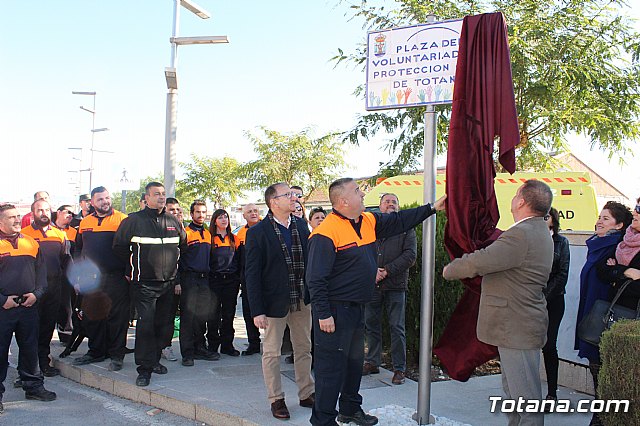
[{"x": 573, "y": 195}]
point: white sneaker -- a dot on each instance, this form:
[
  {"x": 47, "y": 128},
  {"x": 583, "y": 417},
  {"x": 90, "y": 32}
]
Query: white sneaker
[{"x": 167, "y": 353}]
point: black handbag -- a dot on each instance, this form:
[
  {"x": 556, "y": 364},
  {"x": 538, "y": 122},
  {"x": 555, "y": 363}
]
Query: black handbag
[{"x": 602, "y": 316}]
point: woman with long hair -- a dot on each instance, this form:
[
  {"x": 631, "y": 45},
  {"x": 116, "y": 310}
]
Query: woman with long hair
[
  {"x": 610, "y": 227},
  {"x": 554, "y": 293},
  {"x": 224, "y": 281}
]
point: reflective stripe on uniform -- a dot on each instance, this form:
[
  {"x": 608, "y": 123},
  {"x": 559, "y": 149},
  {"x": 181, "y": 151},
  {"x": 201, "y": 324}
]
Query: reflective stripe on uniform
[{"x": 150, "y": 240}]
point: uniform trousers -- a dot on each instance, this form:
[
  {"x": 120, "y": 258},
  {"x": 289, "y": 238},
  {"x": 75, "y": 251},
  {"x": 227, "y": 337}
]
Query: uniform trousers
[
  {"x": 220, "y": 331},
  {"x": 175, "y": 308},
  {"x": 153, "y": 300},
  {"x": 108, "y": 333},
  {"x": 338, "y": 359},
  {"x": 48, "y": 306},
  {"x": 65, "y": 311},
  {"x": 24, "y": 322},
  {"x": 195, "y": 304}
]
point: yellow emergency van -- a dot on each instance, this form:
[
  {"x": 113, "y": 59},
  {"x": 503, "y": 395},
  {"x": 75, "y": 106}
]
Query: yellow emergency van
[{"x": 573, "y": 195}]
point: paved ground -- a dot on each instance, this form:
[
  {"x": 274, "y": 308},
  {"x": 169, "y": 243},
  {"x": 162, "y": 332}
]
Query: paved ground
[
  {"x": 231, "y": 391},
  {"x": 79, "y": 405}
]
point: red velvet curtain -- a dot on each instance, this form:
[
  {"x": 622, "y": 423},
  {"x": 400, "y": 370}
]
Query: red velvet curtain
[{"x": 483, "y": 108}]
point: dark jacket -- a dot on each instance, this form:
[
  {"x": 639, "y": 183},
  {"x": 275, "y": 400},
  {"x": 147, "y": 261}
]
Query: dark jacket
[
  {"x": 22, "y": 268},
  {"x": 54, "y": 248},
  {"x": 396, "y": 255},
  {"x": 266, "y": 272},
  {"x": 150, "y": 244},
  {"x": 614, "y": 275},
  {"x": 560, "y": 269},
  {"x": 342, "y": 255},
  {"x": 592, "y": 287},
  {"x": 94, "y": 241}
]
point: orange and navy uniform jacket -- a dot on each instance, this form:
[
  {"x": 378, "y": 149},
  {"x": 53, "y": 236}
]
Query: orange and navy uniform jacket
[
  {"x": 54, "y": 247},
  {"x": 72, "y": 234},
  {"x": 241, "y": 236},
  {"x": 95, "y": 241},
  {"x": 197, "y": 255},
  {"x": 22, "y": 267},
  {"x": 223, "y": 254},
  {"x": 342, "y": 255}
]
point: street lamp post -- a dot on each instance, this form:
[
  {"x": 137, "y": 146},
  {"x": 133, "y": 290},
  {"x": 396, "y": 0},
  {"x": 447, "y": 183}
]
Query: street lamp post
[
  {"x": 93, "y": 130},
  {"x": 170, "y": 74},
  {"x": 78, "y": 182}
]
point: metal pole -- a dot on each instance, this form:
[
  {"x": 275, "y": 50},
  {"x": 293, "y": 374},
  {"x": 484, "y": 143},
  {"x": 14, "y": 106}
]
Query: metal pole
[
  {"x": 423, "y": 415},
  {"x": 172, "y": 115},
  {"x": 123, "y": 204},
  {"x": 174, "y": 32},
  {"x": 93, "y": 135},
  {"x": 170, "y": 143}
]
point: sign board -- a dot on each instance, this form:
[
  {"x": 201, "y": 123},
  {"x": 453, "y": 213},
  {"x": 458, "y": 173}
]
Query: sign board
[
  {"x": 412, "y": 66},
  {"x": 123, "y": 178}
]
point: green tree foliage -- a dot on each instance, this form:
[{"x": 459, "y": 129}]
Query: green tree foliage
[
  {"x": 217, "y": 179},
  {"x": 131, "y": 200},
  {"x": 575, "y": 69},
  {"x": 297, "y": 159}
]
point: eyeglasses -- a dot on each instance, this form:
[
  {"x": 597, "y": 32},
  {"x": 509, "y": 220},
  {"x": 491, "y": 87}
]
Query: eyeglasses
[
  {"x": 295, "y": 194},
  {"x": 637, "y": 209},
  {"x": 288, "y": 195},
  {"x": 298, "y": 208}
]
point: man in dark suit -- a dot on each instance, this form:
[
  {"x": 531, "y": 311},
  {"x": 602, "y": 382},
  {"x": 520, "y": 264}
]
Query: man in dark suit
[
  {"x": 513, "y": 314},
  {"x": 276, "y": 255}
]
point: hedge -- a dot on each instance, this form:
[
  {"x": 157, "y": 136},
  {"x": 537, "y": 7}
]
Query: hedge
[{"x": 620, "y": 372}]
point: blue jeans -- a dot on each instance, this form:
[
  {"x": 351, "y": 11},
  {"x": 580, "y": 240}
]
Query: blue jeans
[{"x": 395, "y": 302}]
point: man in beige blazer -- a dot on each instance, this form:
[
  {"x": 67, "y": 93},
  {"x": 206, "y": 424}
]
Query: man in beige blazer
[{"x": 513, "y": 314}]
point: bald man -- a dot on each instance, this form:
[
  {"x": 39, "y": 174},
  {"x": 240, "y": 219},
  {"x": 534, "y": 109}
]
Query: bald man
[
  {"x": 28, "y": 218},
  {"x": 251, "y": 214}
]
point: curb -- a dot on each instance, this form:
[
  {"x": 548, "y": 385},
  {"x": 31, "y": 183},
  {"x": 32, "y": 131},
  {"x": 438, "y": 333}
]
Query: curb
[{"x": 134, "y": 393}]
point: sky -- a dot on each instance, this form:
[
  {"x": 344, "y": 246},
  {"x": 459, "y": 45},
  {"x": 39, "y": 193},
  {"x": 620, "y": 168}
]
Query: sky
[{"x": 275, "y": 72}]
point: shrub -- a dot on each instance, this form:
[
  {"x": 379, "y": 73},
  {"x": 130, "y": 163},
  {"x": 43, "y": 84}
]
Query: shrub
[{"x": 618, "y": 378}]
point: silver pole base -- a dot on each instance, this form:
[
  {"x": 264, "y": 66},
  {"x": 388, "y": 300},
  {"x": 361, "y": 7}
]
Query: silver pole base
[{"x": 432, "y": 420}]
